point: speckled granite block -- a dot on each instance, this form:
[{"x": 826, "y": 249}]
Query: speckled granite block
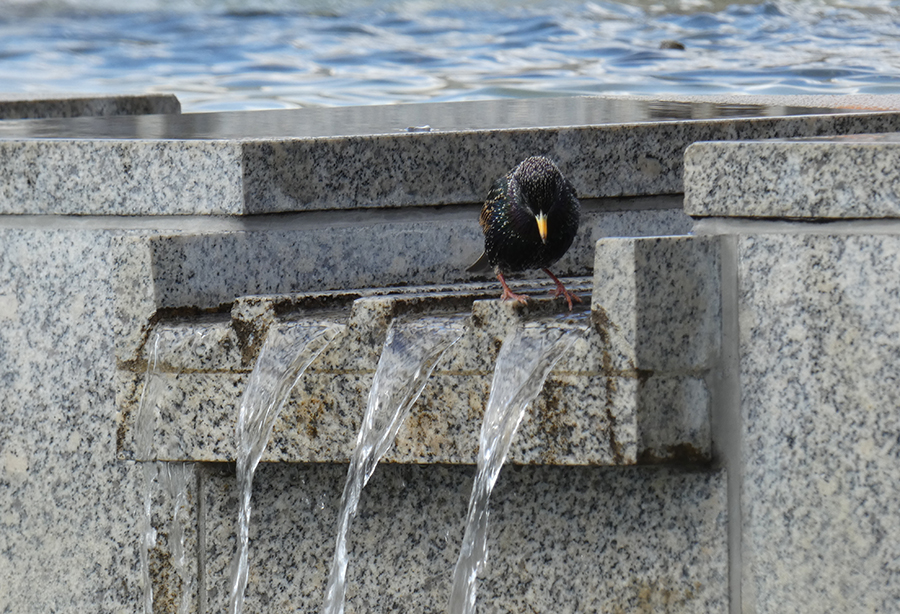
[
  {"x": 585, "y": 415},
  {"x": 315, "y": 159},
  {"x": 119, "y": 177},
  {"x": 839, "y": 177},
  {"x": 320, "y": 252},
  {"x": 68, "y": 507},
  {"x": 658, "y": 302},
  {"x": 819, "y": 349},
  {"x": 31, "y": 106},
  {"x": 571, "y": 539}
]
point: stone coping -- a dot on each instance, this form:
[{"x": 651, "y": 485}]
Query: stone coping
[
  {"x": 44, "y": 106},
  {"x": 841, "y": 177},
  {"x": 244, "y": 163}
]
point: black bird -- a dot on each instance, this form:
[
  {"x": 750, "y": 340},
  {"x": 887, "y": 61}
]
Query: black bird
[{"x": 529, "y": 220}]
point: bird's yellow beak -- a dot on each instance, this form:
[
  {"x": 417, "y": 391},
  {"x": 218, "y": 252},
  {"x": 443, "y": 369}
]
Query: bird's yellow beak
[{"x": 542, "y": 225}]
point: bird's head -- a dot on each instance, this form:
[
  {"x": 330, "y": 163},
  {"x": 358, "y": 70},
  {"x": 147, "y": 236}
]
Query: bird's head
[{"x": 541, "y": 186}]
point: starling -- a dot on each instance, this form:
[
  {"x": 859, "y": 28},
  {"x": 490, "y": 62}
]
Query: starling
[{"x": 529, "y": 221}]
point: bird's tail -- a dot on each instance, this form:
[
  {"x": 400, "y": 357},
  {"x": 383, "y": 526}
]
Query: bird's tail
[{"x": 482, "y": 265}]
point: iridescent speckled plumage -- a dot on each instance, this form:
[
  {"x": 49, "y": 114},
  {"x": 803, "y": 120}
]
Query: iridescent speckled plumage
[{"x": 529, "y": 220}]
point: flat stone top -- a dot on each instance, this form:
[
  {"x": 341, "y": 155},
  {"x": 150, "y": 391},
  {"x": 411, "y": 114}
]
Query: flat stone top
[
  {"x": 396, "y": 119},
  {"x": 839, "y": 177},
  {"x": 256, "y": 162},
  {"x": 35, "y": 106}
]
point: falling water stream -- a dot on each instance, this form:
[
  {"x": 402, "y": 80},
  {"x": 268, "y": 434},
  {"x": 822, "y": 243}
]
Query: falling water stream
[
  {"x": 287, "y": 352},
  {"x": 526, "y": 358},
  {"x": 145, "y": 424},
  {"x": 173, "y": 477},
  {"x": 410, "y": 353}
]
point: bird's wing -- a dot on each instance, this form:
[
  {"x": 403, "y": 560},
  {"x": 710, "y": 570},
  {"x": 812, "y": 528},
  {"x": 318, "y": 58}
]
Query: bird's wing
[{"x": 494, "y": 197}]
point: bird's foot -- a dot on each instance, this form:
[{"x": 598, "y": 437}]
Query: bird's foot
[
  {"x": 509, "y": 295},
  {"x": 560, "y": 290}
]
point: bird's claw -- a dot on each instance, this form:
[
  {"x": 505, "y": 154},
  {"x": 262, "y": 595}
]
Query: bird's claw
[
  {"x": 571, "y": 297},
  {"x": 509, "y": 295},
  {"x": 560, "y": 290}
]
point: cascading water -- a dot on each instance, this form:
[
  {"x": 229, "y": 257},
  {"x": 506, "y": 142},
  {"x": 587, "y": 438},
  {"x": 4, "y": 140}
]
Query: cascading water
[
  {"x": 287, "y": 352},
  {"x": 175, "y": 479},
  {"x": 526, "y": 358},
  {"x": 145, "y": 424},
  {"x": 411, "y": 351}
]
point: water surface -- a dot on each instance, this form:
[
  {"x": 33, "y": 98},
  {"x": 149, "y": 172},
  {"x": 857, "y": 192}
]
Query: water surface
[{"x": 219, "y": 55}]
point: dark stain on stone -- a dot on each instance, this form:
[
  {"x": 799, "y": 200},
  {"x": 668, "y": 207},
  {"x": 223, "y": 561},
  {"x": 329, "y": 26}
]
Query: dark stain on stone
[
  {"x": 313, "y": 408},
  {"x": 614, "y": 446},
  {"x": 602, "y": 324},
  {"x": 498, "y": 343},
  {"x": 477, "y": 321},
  {"x": 121, "y": 429},
  {"x": 611, "y": 391},
  {"x": 162, "y": 572},
  {"x": 286, "y": 306},
  {"x": 643, "y": 375},
  {"x": 550, "y": 421},
  {"x": 679, "y": 454},
  {"x": 250, "y": 337},
  {"x": 167, "y": 314}
]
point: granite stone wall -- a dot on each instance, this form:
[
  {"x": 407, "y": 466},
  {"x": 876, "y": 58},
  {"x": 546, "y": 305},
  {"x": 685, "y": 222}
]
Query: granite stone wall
[
  {"x": 809, "y": 437},
  {"x": 766, "y": 347}
]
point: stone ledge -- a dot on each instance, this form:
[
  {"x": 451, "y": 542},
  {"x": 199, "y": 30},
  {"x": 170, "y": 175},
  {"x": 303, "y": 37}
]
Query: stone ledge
[
  {"x": 203, "y": 271},
  {"x": 633, "y": 390},
  {"x": 846, "y": 177},
  {"x": 43, "y": 106},
  {"x": 366, "y": 157}
]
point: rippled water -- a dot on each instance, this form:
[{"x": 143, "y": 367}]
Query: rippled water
[{"x": 278, "y": 53}]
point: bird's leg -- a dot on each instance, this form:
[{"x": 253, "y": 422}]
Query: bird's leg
[
  {"x": 509, "y": 294},
  {"x": 561, "y": 290}
]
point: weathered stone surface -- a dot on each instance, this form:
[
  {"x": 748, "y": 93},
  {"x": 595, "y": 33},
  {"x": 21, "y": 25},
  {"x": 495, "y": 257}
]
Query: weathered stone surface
[
  {"x": 257, "y": 162},
  {"x": 658, "y": 302},
  {"x": 846, "y": 177},
  {"x": 561, "y": 539},
  {"x": 586, "y": 414},
  {"x": 633, "y": 388},
  {"x": 819, "y": 349}
]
